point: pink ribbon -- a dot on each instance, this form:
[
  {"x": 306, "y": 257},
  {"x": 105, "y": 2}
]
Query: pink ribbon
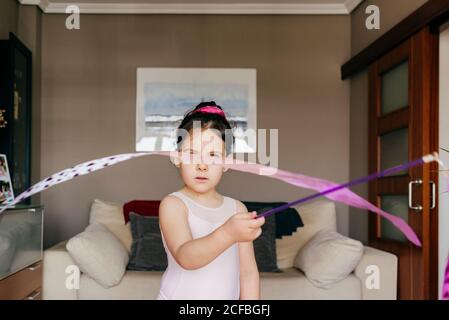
[
  {"x": 445, "y": 292},
  {"x": 344, "y": 195}
]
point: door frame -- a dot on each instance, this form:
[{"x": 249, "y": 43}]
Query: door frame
[{"x": 417, "y": 267}]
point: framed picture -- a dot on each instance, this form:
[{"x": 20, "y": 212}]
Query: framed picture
[
  {"x": 6, "y": 190},
  {"x": 164, "y": 95}
]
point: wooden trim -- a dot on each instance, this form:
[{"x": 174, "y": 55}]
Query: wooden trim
[
  {"x": 433, "y": 12},
  {"x": 396, "y": 120},
  {"x": 394, "y": 58},
  {"x": 395, "y": 185}
]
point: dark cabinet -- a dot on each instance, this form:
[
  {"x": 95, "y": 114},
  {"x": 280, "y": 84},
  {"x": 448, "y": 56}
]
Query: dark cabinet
[{"x": 15, "y": 110}]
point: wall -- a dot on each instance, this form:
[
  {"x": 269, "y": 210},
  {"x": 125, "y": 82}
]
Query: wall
[
  {"x": 8, "y": 17},
  {"x": 391, "y": 13},
  {"x": 89, "y": 98}
]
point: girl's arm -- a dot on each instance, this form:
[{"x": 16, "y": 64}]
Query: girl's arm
[
  {"x": 188, "y": 252},
  {"x": 249, "y": 274}
]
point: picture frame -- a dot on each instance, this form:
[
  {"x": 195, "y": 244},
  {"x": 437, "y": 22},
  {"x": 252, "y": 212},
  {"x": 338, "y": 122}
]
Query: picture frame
[
  {"x": 6, "y": 188},
  {"x": 165, "y": 95}
]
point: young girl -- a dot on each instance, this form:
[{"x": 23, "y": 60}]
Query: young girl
[{"x": 207, "y": 236}]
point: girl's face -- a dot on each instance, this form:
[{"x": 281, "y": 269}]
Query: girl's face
[{"x": 199, "y": 151}]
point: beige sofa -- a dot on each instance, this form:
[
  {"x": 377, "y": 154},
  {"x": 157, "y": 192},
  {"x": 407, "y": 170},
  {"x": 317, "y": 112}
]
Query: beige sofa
[{"x": 290, "y": 284}]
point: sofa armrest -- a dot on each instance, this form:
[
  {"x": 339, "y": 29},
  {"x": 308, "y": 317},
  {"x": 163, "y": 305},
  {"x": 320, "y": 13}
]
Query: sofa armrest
[
  {"x": 379, "y": 263},
  {"x": 56, "y": 260}
]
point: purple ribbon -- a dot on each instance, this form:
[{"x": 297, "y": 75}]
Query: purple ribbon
[
  {"x": 445, "y": 292},
  {"x": 329, "y": 189},
  {"x": 404, "y": 227}
]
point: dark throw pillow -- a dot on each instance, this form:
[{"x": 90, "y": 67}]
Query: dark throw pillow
[
  {"x": 265, "y": 246},
  {"x": 148, "y": 253},
  {"x": 288, "y": 221},
  {"x": 147, "y": 249}
]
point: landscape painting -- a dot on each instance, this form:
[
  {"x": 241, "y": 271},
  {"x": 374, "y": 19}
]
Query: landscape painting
[{"x": 165, "y": 95}]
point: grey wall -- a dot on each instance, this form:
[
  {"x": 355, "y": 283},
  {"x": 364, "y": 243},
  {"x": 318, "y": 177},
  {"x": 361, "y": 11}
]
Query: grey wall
[
  {"x": 89, "y": 98},
  {"x": 391, "y": 13},
  {"x": 8, "y": 17}
]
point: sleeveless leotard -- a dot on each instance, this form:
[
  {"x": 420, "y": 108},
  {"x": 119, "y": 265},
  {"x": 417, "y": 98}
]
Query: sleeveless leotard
[{"x": 218, "y": 280}]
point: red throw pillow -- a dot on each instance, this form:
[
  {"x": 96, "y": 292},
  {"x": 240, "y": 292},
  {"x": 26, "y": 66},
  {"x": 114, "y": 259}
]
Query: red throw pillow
[{"x": 142, "y": 207}]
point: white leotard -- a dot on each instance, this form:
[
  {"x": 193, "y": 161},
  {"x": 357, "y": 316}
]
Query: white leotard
[{"x": 218, "y": 280}]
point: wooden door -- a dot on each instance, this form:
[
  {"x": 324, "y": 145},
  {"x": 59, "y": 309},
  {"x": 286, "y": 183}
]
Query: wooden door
[{"x": 403, "y": 126}]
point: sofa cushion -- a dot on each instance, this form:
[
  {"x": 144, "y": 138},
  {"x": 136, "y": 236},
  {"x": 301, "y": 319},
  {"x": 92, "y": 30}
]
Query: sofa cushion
[
  {"x": 148, "y": 253},
  {"x": 110, "y": 214},
  {"x": 288, "y": 285},
  {"x": 328, "y": 258},
  {"x": 147, "y": 250},
  {"x": 292, "y": 284},
  {"x": 148, "y": 208},
  {"x": 54, "y": 276},
  {"x": 99, "y": 254},
  {"x": 316, "y": 216},
  {"x": 106, "y": 212},
  {"x": 265, "y": 247},
  {"x": 135, "y": 285},
  {"x": 287, "y": 221}
]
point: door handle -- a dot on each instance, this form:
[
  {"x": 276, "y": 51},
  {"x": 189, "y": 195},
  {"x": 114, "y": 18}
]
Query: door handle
[
  {"x": 434, "y": 188},
  {"x": 410, "y": 195}
]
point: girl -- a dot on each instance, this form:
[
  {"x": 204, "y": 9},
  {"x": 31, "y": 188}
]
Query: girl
[{"x": 207, "y": 236}]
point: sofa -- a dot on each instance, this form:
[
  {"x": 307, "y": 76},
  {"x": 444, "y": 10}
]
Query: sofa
[{"x": 290, "y": 284}]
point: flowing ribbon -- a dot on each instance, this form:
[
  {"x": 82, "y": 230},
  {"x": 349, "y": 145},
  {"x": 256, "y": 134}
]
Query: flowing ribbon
[
  {"x": 445, "y": 292},
  {"x": 329, "y": 189},
  {"x": 326, "y": 188},
  {"x": 399, "y": 223}
]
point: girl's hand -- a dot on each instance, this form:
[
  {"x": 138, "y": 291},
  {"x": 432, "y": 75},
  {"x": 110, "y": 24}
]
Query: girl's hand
[{"x": 242, "y": 227}]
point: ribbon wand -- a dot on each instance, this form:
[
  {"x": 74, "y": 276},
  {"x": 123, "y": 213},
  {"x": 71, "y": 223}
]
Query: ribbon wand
[{"x": 408, "y": 231}]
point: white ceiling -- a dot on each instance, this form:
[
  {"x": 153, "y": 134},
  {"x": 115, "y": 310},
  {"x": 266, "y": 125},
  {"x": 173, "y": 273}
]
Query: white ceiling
[{"x": 199, "y": 6}]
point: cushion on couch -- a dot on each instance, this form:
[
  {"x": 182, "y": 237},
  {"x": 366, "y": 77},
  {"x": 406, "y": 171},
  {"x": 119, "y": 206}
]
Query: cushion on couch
[
  {"x": 110, "y": 214},
  {"x": 147, "y": 208},
  {"x": 328, "y": 258},
  {"x": 292, "y": 284},
  {"x": 147, "y": 250},
  {"x": 316, "y": 216},
  {"x": 265, "y": 247},
  {"x": 99, "y": 254},
  {"x": 287, "y": 221}
]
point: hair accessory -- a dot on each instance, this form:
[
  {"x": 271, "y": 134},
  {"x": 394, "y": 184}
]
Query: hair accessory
[{"x": 210, "y": 109}]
